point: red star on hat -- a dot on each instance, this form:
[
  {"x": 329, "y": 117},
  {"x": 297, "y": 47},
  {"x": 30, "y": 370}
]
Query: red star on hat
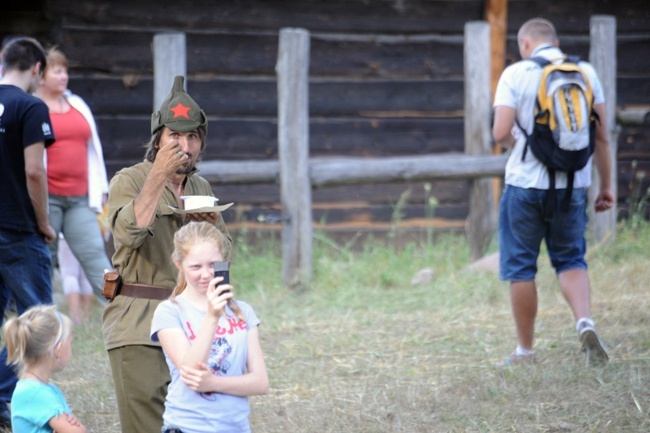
[{"x": 180, "y": 110}]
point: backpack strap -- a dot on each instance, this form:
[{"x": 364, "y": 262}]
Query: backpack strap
[
  {"x": 549, "y": 206},
  {"x": 523, "y": 154},
  {"x": 541, "y": 61},
  {"x": 566, "y": 202},
  {"x": 572, "y": 58}
]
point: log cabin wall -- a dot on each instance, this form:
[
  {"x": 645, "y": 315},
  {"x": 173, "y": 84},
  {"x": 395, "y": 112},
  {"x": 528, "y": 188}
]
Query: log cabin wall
[{"x": 386, "y": 79}]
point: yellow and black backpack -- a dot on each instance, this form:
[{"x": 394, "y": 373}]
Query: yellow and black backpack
[{"x": 563, "y": 136}]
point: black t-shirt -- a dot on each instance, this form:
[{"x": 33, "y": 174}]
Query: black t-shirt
[{"x": 24, "y": 121}]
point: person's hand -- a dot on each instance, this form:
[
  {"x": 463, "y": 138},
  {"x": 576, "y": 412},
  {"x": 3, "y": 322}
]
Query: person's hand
[
  {"x": 48, "y": 233},
  {"x": 210, "y": 217},
  {"x": 218, "y": 297},
  {"x": 170, "y": 157},
  {"x": 73, "y": 420},
  {"x": 197, "y": 379},
  {"x": 604, "y": 201}
]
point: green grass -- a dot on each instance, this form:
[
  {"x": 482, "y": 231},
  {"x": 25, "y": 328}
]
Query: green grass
[{"x": 365, "y": 351}]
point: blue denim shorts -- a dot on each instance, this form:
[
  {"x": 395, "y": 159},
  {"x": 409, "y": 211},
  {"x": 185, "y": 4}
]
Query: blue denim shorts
[{"x": 522, "y": 228}]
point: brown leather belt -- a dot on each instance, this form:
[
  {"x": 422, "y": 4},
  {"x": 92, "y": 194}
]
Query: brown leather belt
[{"x": 144, "y": 291}]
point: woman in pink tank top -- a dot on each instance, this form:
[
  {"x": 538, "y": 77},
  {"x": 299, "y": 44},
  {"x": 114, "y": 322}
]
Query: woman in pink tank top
[{"x": 77, "y": 183}]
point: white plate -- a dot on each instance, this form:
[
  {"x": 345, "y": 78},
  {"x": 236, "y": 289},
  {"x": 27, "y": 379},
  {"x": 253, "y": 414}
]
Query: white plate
[{"x": 201, "y": 209}]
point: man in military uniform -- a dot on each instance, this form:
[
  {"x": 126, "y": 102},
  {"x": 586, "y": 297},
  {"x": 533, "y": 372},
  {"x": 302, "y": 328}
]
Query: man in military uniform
[{"x": 143, "y": 221}]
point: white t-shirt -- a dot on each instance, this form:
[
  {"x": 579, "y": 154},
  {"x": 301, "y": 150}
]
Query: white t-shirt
[
  {"x": 195, "y": 412},
  {"x": 517, "y": 89}
]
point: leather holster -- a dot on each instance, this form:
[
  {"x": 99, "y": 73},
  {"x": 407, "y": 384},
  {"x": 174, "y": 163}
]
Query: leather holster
[{"x": 112, "y": 284}]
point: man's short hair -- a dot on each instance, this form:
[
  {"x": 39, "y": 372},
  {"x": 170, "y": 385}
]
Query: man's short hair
[
  {"x": 22, "y": 54},
  {"x": 539, "y": 30}
]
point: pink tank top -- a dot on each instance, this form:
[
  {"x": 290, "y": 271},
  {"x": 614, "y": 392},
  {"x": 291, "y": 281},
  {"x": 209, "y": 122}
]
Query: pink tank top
[{"x": 67, "y": 158}]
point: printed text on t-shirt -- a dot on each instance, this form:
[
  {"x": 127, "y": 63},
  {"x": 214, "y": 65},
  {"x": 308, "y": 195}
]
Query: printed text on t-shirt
[{"x": 234, "y": 324}]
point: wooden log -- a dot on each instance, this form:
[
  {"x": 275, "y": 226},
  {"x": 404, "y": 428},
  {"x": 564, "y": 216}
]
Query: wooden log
[
  {"x": 481, "y": 221},
  {"x": 250, "y": 53},
  {"x": 253, "y": 53},
  {"x": 257, "y": 138},
  {"x": 360, "y": 16},
  {"x": 496, "y": 15},
  {"x": 385, "y": 99},
  {"x": 293, "y": 148},
  {"x": 257, "y": 96},
  {"x": 234, "y": 172},
  {"x": 331, "y": 16},
  {"x": 569, "y": 17},
  {"x": 634, "y": 116},
  {"x": 341, "y": 171},
  {"x": 633, "y": 90},
  {"x": 447, "y": 192},
  {"x": 169, "y": 59},
  {"x": 603, "y": 57},
  {"x": 327, "y": 172}
]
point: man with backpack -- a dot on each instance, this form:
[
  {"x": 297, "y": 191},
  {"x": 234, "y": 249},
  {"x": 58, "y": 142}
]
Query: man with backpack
[{"x": 552, "y": 134}]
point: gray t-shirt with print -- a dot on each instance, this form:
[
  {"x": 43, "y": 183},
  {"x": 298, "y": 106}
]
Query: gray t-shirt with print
[{"x": 192, "y": 411}]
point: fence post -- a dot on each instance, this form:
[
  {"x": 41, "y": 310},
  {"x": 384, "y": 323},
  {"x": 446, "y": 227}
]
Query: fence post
[
  {"x": 481, "y": 220},
  {"x": 602, "y": 55},
  {"x": 292, "y": 69},
  {"x": 169, "y": 60}
]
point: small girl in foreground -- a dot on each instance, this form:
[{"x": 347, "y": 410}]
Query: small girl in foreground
[
  {"x": 210, "y": 341},
  {"x": 39, "y": 343}
]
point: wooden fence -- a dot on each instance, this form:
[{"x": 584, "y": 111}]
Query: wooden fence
[{"x": 297, "y": 173}]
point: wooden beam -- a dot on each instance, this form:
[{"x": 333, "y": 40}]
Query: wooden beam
[
  {"x": 634, "y": 116},
  {"x": 169, "y": 60},
  {"x": 481, "y": 221},
  {"x": 496, "y": 14},
  {"x": 327, "y": 172},
  {"x": 293, "y": 149},
  {"x": 341, "y": 171},
  {"x": 602, "y": 55}
]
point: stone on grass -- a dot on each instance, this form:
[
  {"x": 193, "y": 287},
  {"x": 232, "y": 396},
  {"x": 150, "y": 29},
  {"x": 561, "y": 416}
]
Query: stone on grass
[
  {"x": 423, "y": 276},
  {"x": 487, "y": 264}
]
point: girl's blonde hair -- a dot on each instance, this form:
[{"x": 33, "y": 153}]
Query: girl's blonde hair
[
  {"x": 184, "y": 239},
  {"x": 34, "y": 335}
]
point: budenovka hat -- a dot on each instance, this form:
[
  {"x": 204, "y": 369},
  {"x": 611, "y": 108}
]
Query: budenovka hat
[{"x": 179, "y": 112}]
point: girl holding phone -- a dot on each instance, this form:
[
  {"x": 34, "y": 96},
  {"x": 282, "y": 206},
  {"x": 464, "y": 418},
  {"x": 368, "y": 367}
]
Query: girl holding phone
[{"x": 210, "y": 341}]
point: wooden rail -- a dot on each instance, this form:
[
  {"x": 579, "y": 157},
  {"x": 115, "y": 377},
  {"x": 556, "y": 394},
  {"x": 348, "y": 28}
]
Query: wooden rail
[{"x": 344, "y": 171}]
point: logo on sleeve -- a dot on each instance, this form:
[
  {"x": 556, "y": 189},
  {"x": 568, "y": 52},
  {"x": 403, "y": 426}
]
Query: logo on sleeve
[
  {"x": 46, "y": 128},
  {"x": 2, "y": 109}
]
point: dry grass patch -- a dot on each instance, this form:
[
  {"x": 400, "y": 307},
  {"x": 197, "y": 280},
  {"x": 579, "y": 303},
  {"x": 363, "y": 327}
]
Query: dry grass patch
[{"x": 364, "y": 351}]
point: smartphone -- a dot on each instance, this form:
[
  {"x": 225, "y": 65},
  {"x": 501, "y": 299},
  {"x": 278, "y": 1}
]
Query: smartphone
[{"x": 221, "y": 269}]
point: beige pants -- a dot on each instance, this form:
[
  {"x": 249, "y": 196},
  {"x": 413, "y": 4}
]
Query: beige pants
[{"x": 141, "y": 376}]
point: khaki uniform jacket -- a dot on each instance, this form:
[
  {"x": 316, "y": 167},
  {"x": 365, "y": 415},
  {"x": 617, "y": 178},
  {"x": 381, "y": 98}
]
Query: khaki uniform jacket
[{"x": 143, "y": 254}]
